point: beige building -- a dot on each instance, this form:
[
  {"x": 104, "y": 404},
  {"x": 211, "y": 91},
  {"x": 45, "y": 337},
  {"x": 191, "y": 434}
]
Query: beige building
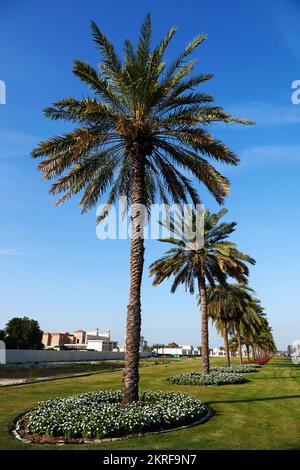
[
  {"x": 80, "y": 340},
  {"x": 52, "y": 340}
]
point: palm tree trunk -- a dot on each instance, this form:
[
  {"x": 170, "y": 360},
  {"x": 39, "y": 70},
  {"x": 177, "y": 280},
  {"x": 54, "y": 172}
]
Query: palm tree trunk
[
  {"x": 253, "y": 354},
  {"x": 238, "y": 336},
  {"x": 226, "y": 344},
  {"x": 204, "y": 323},
  {"x": 248, "y": 352},
  {"x": 133, "y": 325}
]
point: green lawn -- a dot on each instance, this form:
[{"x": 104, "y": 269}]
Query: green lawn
[{"x": 261, "y": 414}]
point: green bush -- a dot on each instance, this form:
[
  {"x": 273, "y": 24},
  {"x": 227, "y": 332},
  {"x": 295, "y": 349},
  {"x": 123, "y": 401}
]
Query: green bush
[{"x": 240, "y": 369}]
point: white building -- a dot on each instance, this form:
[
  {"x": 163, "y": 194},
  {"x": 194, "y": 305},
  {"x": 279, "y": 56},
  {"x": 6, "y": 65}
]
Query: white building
[
  {"x": 95, "y": 341},
  {"x": 182, "y": 350},
  {"x": 218, "y": 352}
]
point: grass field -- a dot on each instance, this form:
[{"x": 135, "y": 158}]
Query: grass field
[{"x": 261, "y": 414}]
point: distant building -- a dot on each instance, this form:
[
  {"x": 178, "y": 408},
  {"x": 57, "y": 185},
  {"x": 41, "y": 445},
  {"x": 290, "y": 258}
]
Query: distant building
[
  {"x": 182, "y": 350},
  {"x": 52, "y": 340},
  {"x": 217, "y": 352},
  {"x": 100, "y": 341},
  {"x": 80, "y": 337},
  {"x": 80, "y": 340},
  {"x": 143, "y": 345},
  {"x": 220, "y": 352}
]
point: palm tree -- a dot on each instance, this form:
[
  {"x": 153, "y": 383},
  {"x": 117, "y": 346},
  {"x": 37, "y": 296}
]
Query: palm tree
[
  {"x": 141, "y": 134},
  {"x": 220, "y": 315},
  {"x": 263, "y": 343},
  {"x": 216, "y": 260},
  {"x": 250, "y": 323},
  {"x": 227, "y": 307},
  {"x": 234, "y": 308}
]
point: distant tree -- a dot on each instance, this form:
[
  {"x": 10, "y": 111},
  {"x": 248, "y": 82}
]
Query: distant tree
[
  {"x": 23, "y": 333},
  {"x": 157, "y": 346},
  {"x": 147, "y": 348},
  {"x": 2, "y": 335},
  {"x": 173, "y": 345}
]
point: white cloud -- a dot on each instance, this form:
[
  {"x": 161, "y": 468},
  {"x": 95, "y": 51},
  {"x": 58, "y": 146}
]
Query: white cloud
[
  {"x": 268, "y": 114},
  {"x": 272, "y": 154}
]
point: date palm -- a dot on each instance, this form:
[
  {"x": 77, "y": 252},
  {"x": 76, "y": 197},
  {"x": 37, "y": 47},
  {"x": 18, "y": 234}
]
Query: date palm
[
  {"x": 228, "y": 305},
  {"x": 250, "y": 324},
  {"x": 262, "y": 341},
  {"x": 214, "y": 261},
  {"x": 143, "y": 134}
]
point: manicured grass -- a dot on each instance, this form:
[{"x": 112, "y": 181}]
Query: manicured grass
[{"x": 261, "y": 414}]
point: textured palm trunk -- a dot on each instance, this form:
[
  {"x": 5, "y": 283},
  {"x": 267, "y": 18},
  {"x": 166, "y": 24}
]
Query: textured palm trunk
[
  {"x": 238, "y": 336},
  {"x": 226, "y": 344},
  {"x": 253, "y": 354},
  {"x": 204, "y": 323},
  {"x": 248, "y": 352},
  {"x": 133, "y": 325}
]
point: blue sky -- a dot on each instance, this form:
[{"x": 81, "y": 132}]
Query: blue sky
[{"x": 52, "y": 266}]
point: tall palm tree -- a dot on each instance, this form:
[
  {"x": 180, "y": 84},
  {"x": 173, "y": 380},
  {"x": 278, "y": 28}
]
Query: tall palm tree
[
  {"x": 263, "y": 343},
  {"x": 142, "y": 134},
  {"x": 249, "y": 324},
  {"x": 234, "y": 308},
  {"x": 227, "y": 306},
  {"x": 216, "y": 260}
]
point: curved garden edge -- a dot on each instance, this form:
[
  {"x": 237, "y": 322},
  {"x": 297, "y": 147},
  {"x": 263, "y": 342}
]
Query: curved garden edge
[{"x": 60, "y": 441}]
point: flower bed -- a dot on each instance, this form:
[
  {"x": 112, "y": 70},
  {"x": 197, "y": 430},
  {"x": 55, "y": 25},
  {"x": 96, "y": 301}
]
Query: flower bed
[
  {"x": 213, "y": 378},
  {"x": 98, "y": 415},
  {"x": 240, "y": 369},
  {"x": 259, "y": 362}
]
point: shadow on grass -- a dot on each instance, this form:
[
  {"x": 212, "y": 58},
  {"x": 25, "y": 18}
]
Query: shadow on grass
[
  {"x": 289, "y": 377},
  {"x": 286, "y": 365},
  {"x": 248, "y": 400}
]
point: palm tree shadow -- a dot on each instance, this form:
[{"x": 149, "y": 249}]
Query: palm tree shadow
[
  {"x": 254, "y": 399},
  {"x": 290, "y": 377}
]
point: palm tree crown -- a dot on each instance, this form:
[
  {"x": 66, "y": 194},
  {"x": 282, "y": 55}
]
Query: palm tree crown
[
  {"x": 140, "y": 109},
  {"x": 217, "y": 259}
]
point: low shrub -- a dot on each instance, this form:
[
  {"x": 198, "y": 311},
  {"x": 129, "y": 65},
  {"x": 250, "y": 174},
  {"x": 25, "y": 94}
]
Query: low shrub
[
  {"x": 239, "y": 369},
  {"x": 213, "y": 378},
  {"x": 100, "y": 414}
]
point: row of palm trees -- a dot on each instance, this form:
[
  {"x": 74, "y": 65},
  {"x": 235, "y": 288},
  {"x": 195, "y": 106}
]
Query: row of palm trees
[
  {"x": 235, "y": 311},
  {"x": 144, "y": 133},
  {"x": 232, "y": 307}
]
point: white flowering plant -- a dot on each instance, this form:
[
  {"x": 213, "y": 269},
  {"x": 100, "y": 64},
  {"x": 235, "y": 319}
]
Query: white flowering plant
[
  {"x": 239, "y": 369},
  {"x": 101, "y": 414},
  {"x": 213, "y": 378}
]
